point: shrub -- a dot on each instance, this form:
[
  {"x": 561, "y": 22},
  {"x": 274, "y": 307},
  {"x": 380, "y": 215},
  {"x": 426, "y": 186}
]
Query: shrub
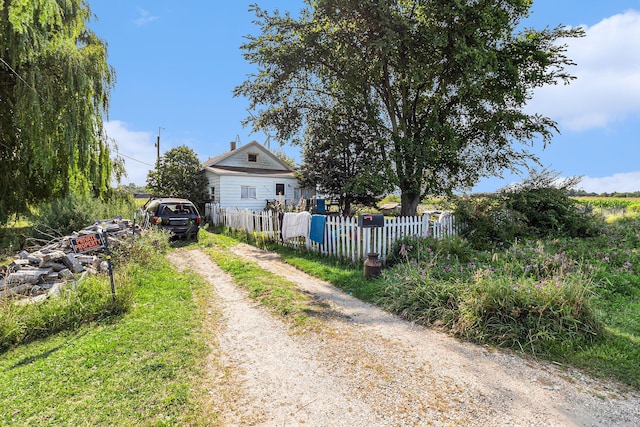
[
  {"x": 538, "y": 208},
  {"x": 72, "y": 213},
  {"x": 144, "y": 249}
]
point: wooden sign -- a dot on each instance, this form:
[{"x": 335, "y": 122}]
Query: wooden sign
[{"x": 87, "y": 243}]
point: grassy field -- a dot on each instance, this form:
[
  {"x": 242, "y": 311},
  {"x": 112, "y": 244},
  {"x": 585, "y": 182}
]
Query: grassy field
[
  {"x": 140, "y": 367},
  {"x": 612, "y": 207}
]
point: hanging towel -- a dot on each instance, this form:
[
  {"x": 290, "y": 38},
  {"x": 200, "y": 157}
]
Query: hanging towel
[
  {"x": 295, "y": 225},
  {"x": 317, "y": 228},
  {"x": 321, "y": 206}
]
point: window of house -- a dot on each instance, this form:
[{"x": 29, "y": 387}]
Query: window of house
[
  {"x": 252, "y": 157},
  {"x": 279, "y": 189},
  {"x": 247, "y": 192},
  {"x": 212, "y": 194}
]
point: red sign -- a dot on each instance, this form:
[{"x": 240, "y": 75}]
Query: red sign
[{"x": 89, "y": 242}]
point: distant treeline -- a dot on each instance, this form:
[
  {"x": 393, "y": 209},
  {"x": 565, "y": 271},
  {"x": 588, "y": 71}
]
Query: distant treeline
[{"x": 582, "y": 193}]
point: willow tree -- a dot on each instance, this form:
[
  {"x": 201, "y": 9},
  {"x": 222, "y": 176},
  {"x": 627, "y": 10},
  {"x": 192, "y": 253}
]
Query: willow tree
[
  {"x": 451, "y": 80},
  {"x": 54, "y": 91}
]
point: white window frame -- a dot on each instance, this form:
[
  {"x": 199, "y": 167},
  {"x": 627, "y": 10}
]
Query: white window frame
[
  {"x": 255, "y": 155},
  {"x": 247, "y": 192}
]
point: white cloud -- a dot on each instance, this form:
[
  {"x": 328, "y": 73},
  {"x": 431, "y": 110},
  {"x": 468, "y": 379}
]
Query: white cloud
[
  {"x": 137, "y": 148},
  {"x": 145, "y": 18},
  {"x": 607, "y": 88},
  {"x": 620, "y": 182}
]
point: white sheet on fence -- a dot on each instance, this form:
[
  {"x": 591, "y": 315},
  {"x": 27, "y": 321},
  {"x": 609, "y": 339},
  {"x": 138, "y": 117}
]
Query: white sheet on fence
[{"x": 295, "y": 225}]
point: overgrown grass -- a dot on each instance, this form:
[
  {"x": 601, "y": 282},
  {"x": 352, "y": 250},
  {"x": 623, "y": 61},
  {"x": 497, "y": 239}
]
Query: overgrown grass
[
  {"x": 574, "y": 301},
  {"x": 89, "y": 300},
  {"x": 142, "y": 366},
  {"x": 86, "y": 300},
  {"x": 570, "y": 300}
]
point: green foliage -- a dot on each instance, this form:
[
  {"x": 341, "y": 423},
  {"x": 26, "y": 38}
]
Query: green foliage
[
  {"x": 487, "y": 222},
  {"x": 13, "y": 237},
  {"x": 89, "y": 300},
  {"x": 179, "y": 175},
  {"x": 63, "y": 216},
  {"x": 54, "y": 87},
  {"x": 525, "y": 298},
  {"x": 144, "y": 250},
  {"x": 521, "y": 313},
  {"x": 438, "y": 87},
  {"x": 345, "y": 163},
  {"x": 539, "y": 207}
]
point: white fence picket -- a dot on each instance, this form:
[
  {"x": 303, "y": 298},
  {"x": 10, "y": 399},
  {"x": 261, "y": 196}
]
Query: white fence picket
[{"x": 342, "y": 236}]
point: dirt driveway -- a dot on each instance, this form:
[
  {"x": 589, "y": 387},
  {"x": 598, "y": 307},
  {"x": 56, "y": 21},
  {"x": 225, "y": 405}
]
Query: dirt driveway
[{"x": 365, "y": 367}]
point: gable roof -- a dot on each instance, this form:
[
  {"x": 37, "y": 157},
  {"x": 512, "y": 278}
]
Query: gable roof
[{"x": 251, "y": 147}]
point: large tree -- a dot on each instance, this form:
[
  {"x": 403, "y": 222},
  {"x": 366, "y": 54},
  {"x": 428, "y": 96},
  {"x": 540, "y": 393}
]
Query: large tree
[
  {"x": 342, "y": 155},
  {"x": 54, "y": 90},
  {"x": 450, "y": 80},
  {"x": 179, "y": 174}
]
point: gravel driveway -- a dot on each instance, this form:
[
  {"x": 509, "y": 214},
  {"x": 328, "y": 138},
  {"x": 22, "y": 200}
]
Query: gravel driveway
[{"x": 365, "y": 367}]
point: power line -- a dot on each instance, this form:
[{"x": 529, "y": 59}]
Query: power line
[
  {"x": 135, "y": 160},
  {"x": 20, "y": 77}
]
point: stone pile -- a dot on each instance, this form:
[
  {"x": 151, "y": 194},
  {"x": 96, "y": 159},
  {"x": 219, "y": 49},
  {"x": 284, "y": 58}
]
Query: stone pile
[{"x": 47, "y": 269}]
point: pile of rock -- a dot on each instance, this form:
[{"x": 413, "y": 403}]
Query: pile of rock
[{"x": 47, "y": 269}]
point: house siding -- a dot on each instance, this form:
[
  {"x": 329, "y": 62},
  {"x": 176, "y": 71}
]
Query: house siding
[
  {"x": 264, "y": 161},
  {"x": 214, "y": 182},
  {"x": 229, "y": 172},
  {"x": 230, "y": 188}
]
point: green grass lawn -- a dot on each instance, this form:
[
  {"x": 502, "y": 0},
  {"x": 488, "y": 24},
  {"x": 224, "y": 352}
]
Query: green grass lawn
[{"x": 140, "y": 368}]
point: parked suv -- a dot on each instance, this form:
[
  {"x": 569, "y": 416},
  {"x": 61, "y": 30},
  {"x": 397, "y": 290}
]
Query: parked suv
[{"x": 179, "y": 216}]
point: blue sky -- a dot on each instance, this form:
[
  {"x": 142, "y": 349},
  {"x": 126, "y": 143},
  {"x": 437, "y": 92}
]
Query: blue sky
[{"x": 177, "y": 63}]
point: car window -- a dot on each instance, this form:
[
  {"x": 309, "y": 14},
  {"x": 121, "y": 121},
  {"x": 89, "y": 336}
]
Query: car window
[{"x": 178, "y": 208}]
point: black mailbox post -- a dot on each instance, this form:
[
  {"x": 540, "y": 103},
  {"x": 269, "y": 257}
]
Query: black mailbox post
[{"x": 370, "y": 220}]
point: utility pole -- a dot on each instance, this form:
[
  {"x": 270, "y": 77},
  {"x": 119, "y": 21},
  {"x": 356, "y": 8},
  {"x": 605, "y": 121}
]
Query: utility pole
[{"x": 158, "y": 145}]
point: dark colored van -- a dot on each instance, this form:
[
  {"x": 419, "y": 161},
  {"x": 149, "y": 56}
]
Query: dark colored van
[{"x": 179, "y": 216}]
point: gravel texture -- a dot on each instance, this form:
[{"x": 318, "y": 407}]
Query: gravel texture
[{"x": 365, "y": 367}]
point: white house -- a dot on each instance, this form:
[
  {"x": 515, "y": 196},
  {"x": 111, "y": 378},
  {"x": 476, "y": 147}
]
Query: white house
[{"x": 248, "y": 176}]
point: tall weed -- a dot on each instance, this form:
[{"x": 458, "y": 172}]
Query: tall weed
[
  {"x": 88, "y": 300},
  {"x": 523, "y": 297},
  {"x": 526, "y": 314}
]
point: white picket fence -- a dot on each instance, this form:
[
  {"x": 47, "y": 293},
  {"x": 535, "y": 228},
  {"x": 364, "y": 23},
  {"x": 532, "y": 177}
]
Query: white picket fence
[{"x": 342, "y": 236}]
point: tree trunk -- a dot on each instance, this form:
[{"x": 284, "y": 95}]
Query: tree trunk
[
  {"x": 410, "y": 203},
  {"x": 346, "y": 208}
]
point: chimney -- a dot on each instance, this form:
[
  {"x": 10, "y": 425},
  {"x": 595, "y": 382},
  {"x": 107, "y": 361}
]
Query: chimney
[{"x": 233, "y": 145}]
